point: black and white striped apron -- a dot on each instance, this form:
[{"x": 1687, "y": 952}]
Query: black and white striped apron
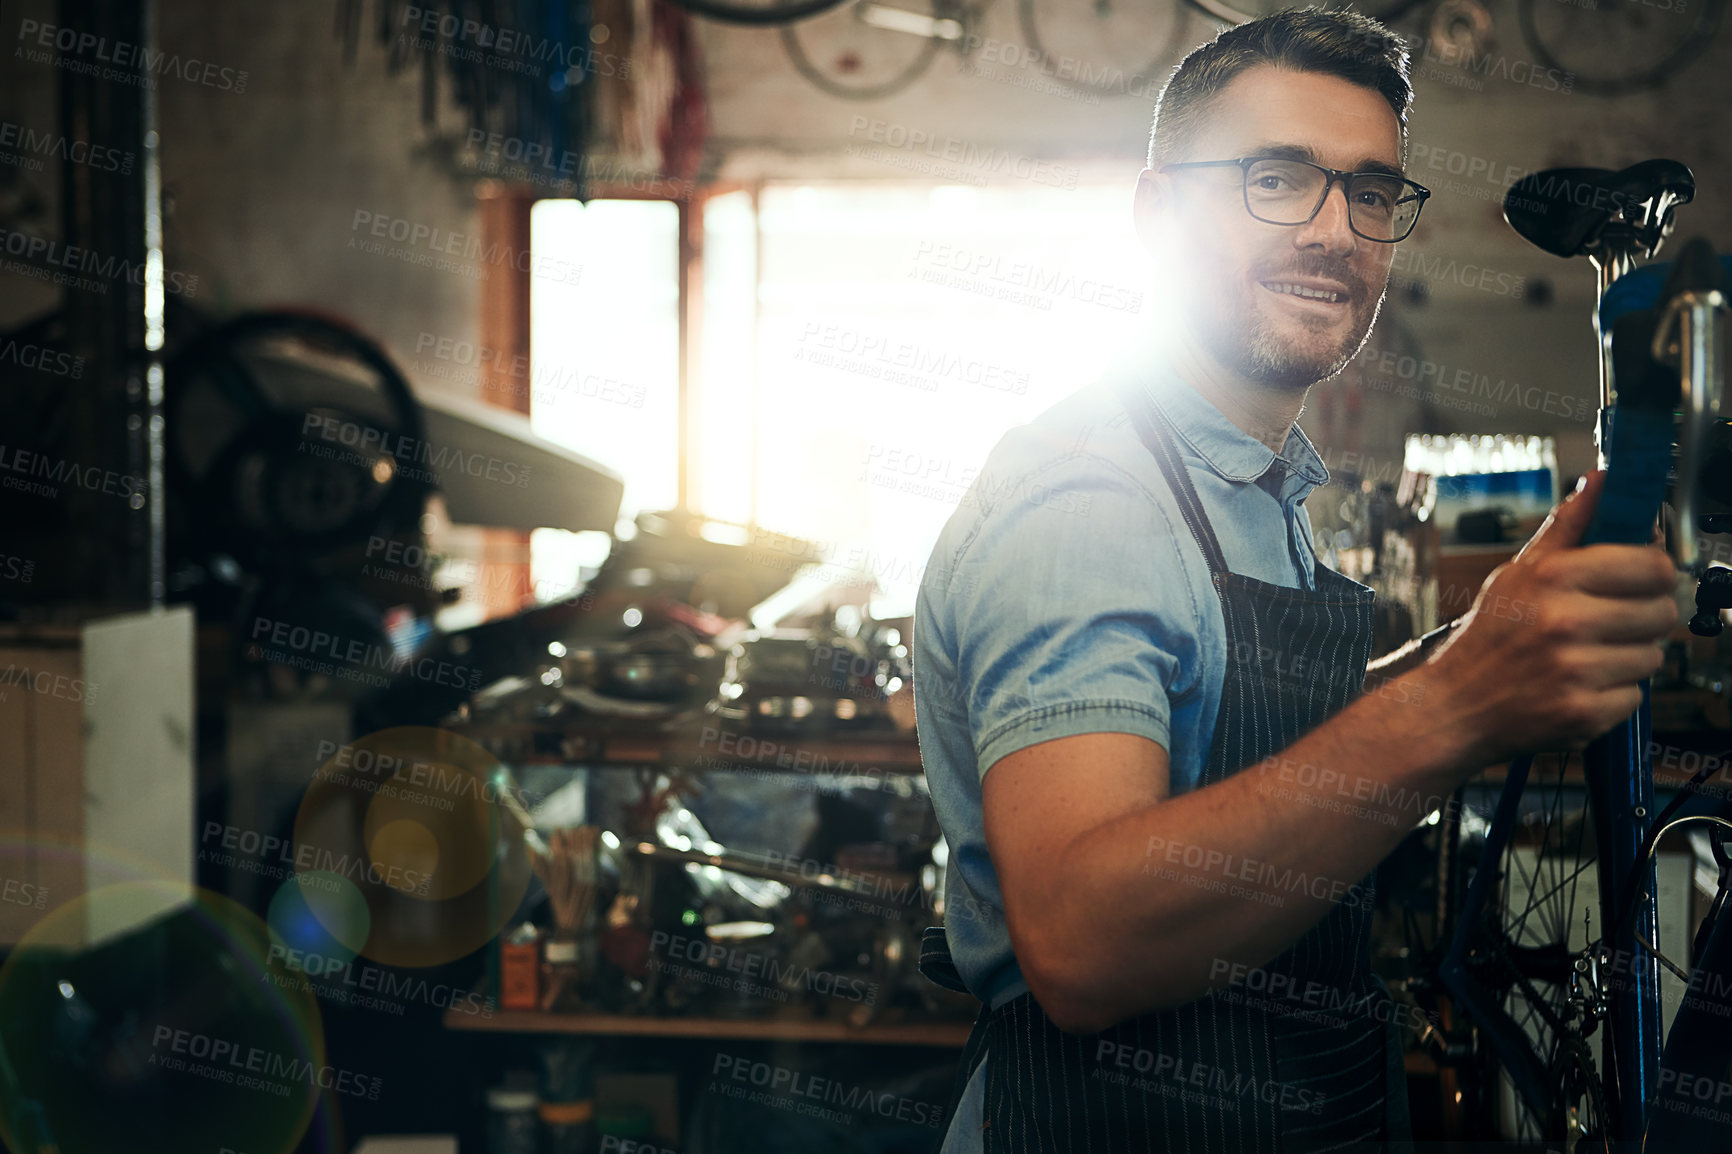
[{"x": 1306, "y": 1069}]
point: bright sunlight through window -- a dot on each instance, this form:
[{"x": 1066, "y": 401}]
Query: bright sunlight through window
[
  {"x": 614, "y": 335},
  {"x": 900, "y": 332},
  {"x": 863, "y": 347}
]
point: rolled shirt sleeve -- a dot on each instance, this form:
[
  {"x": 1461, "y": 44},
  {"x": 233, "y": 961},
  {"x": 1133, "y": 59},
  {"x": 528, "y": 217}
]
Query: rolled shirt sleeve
[{"x": 1074, "y": 609}]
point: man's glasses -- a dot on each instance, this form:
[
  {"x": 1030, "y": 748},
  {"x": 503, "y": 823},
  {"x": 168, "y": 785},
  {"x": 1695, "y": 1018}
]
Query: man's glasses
[{"x": 1380, "y": 207}]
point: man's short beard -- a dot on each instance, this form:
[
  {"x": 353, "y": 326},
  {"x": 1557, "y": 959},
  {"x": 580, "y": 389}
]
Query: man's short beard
[
  {"x": 1261, "y": 357},
  {"x": 1248, "y": 344}
]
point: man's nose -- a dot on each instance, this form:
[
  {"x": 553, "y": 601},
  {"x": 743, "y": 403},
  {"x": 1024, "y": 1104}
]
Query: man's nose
[{"x": 1330, "y": 227}]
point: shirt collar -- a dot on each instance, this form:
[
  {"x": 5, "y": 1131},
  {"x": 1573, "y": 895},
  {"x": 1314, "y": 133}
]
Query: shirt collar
[{"x": 1223, "y": 446}]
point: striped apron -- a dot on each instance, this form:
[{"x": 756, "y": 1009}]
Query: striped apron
[{"x": 1301, "y": 1055}]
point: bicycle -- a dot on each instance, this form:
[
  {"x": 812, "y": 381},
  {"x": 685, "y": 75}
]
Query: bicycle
[{"x": 1532, "y": 992}]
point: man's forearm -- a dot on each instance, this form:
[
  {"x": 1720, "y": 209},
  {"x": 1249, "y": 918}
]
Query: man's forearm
[
  {"x": 1162, "y": 901},
  {"x": 1408, "y": 656}
]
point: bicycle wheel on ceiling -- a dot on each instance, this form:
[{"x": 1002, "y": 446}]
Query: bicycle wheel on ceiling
[
  {"x": 1245, "y": 11},
  {"x": 1616, "y": 46},
  {"x": 768, "y": 14},
  {"x": 1103, "y": 46},
  {"x": 872, "y": 49}
]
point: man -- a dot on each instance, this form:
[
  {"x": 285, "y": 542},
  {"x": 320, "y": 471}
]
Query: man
[{"x": 1130, "y": 612}]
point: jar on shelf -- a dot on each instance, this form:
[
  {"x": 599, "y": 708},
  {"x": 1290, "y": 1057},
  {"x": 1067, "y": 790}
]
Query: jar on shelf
[
  {"x": 568, "y": 1127},
  {"x": 567, "y": 1107},
  {"x": 513, "y": 1123},
  {"x": 560, "y": 974},
  {"x": 520, "y": 968}
]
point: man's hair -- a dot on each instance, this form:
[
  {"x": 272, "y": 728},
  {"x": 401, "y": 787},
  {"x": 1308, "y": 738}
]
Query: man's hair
[{"x": 1346, "y": 44}]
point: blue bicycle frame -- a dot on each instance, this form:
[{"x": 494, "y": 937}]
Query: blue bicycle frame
[{"x": 1636, "y": 446}]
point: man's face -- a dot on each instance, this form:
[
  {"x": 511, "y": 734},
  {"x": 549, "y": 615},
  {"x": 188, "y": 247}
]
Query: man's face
[{"x": 1235, "y": 271}]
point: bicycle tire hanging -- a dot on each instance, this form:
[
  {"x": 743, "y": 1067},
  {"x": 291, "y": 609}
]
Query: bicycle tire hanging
[
  {"x": 1582, "y": 36},
  {"x": 1113, "y": 81},
  {"x": 758, "y": 15},
  {"x": 1241, "y": 12},
  {"x": 874, "y": 50}
]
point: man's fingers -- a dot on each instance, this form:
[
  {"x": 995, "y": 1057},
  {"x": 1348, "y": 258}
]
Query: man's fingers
[
  {"x": 1621, "y": 571},
  {"x": 1614, "y": 620},
  {"x": 1625, "y": 664},
  {"x": 1566, "y": 524},
  {"x": 1639, "y": 621}
]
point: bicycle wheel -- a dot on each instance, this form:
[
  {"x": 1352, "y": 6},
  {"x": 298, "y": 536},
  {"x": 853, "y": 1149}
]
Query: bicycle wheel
[
  {"x": 1536, "y": 988},
  {"x": 1108, "y": 54},
  {"x": 850, "y": 54},
  {"x": 757, "y": 15},
  {"x": 1618, "y": 46},
  {"x": 1245, "y": 11}
]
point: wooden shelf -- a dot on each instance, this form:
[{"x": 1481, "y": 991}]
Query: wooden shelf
[
  {"x": 948, "y": 1035},
  {"x": 709, "y": 747}
]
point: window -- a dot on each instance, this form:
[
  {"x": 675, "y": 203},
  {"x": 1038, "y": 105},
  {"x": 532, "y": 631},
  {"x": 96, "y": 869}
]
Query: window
[
  {"x": 862, "y": 348},
  {"x": 604, "y": 352},
  {"x": 900, "y": 331}
]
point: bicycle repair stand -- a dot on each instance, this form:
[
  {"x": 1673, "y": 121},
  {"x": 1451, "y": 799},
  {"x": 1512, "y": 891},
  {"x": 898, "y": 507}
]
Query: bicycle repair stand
[
  {"x": 1660, "y": 350},
  {"x": 1674, "y": 315}
]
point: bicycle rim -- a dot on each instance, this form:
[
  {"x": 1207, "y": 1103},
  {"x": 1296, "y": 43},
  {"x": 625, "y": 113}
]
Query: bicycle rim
[
  {"x": 1536, "y": 929},
  {"x": 809, "y": 70},
  {"x": 757, "y": 16},
  {"x": 1693, "y": 43},
  {"x": 1133, "y": 82},
  {"x": 1241, "y": 12}
]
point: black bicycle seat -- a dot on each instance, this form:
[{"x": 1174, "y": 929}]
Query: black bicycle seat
[{"x": 1563, "y": 210}]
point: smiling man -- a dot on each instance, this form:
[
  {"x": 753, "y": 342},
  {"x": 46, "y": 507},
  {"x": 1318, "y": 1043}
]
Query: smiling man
[{"x": 1141, "y": 699}]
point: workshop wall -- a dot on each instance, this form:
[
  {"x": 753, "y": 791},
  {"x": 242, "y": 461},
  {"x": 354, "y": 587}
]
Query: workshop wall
[
  {"x": 274, "y": 172},
  {"x": 273, "y": 190},
  {"x": 276, "y": 190},
  {"x": 1469, "y": 295}
]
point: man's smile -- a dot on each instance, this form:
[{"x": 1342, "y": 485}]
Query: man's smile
[{"x": 1328, "y": 295}]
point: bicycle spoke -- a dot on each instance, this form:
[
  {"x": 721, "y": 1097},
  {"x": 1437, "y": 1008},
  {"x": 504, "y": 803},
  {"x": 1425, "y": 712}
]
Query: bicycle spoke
[
  {"x": 1514, "y": 932},
  {"x": 1544, "y": 820},
  {"x": 1553, "y": 815},
  {"x": 1525, "y": 961},
  {"x": 1569, "y": 881},
  {"x": 1581, "y": 833},
  {"x": 1560, "y": 927}
]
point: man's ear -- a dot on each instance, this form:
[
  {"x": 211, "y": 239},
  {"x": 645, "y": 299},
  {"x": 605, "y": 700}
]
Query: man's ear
[{"x": 1151, "y": 206}]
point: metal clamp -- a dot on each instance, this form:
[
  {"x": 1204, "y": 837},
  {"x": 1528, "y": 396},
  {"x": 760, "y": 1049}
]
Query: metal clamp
[{"x": 1688, "y": 336}]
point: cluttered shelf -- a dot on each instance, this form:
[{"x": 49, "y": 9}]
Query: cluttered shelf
[
  {"x": 906, "y": 1033},
  {"x": 702, "y": 746}
]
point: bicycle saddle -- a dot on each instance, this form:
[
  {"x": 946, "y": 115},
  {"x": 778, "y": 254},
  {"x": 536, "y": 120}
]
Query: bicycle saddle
[{"x": 1565, "y": 210}]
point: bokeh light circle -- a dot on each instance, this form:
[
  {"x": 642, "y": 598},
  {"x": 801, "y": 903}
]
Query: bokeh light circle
[
  {"x": 147, "y": 1015},
  {"x": 428, "y": 828}
]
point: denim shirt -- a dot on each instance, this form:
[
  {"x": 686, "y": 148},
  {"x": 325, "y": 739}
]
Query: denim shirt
[{"x": 1066, "y": 596}]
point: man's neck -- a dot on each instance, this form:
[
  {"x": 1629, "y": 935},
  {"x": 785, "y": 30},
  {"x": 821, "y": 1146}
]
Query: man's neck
[{"x": 1265, "y": 412}]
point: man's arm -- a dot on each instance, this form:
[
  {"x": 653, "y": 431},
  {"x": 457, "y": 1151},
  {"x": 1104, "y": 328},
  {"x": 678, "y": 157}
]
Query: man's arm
[
  {"x": 1410, "y": 655},
  {"x": 1111, "y": 916},
  {"x": 1108, "y": 920}
]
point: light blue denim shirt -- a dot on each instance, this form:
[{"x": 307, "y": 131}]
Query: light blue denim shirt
[{"x": 1066, "y": 596}]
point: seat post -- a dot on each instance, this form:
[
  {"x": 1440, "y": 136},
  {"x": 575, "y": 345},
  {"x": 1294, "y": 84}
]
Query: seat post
[{"x": 1611, "y": 260}]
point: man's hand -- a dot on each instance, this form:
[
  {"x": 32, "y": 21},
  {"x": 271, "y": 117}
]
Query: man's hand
[{"x": 1556, "y": 645}]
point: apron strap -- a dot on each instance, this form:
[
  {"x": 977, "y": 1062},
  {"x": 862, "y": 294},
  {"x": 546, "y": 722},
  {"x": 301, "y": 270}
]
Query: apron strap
[
  {"x": 936, "y": 965},
  {"x": 1159, "y": 440}
]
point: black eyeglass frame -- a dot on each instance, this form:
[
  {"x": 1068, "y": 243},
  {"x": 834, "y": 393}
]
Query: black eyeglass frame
[{"x": 1332, "y": 175}]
